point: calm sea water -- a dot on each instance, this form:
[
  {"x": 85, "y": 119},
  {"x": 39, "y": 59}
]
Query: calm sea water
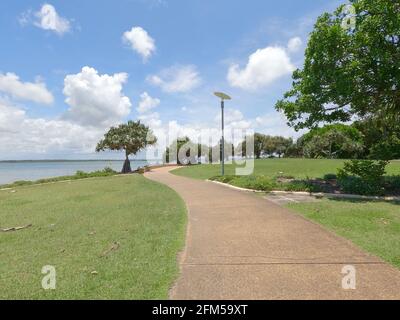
[{"x": 20, "y": 170}]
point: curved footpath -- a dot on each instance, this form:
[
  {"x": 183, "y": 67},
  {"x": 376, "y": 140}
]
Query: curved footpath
[{"x": 241, "y": 246}]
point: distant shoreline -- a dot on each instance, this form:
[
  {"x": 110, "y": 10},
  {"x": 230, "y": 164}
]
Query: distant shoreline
[{"x": 99, "y": 160}]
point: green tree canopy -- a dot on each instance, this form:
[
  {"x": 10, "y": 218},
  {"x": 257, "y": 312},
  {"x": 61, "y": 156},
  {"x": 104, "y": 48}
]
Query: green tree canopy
[
  {"x": 265, "y": 145},
  {"x": 381, "y": 137},
  {"x": 192, "y": 154},
  {"x": 333, "y": 141},
  {"x": 348, "y": 71},
  {"x": 130, "y": 137}
]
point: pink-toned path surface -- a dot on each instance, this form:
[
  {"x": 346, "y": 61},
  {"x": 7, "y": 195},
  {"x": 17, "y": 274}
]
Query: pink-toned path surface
[{"x": 241, "y": 246}]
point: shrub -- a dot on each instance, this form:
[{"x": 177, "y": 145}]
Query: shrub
[
  {"x": 330, "y": 176},
  {"x": 363, "y": 177},
  {"x": 392, "y": 184},
  {"x": 109, "y": 170},
  {"x": 224, "y": 179},
  {"x": 260, "y": 183},
  {"x": 21, "y": 183}
]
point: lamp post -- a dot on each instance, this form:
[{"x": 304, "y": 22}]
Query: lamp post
[{"x": 223, "y": 97}]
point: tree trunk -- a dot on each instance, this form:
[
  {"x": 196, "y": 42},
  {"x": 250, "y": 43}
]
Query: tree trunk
[{"x": 127, "y": 166}]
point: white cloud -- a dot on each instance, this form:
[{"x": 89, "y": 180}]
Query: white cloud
[
  {"x": 275, "y": 123},
  {"x": 11, "y": 85},
  {"x": 47, "y": 18},
  {"x": 140, "y": 41},
  {"x": 176, "y": 79},
  {"x": 233, "y": 120},
  {"x": 263, "y": 68},
  {"x": 151, "y": 119},
  {"x": 147, "y": 103},
  {"x": 295, "y": 44},
  {"x": 22, "y": 135},
  {"x": 96, "y": 100}
]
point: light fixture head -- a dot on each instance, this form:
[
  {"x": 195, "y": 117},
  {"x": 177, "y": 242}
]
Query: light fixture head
[{"x": 223, "y": 96}]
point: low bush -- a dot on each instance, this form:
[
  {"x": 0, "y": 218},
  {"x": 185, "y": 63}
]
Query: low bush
[
  {"x": 300, "y": 185},
  {"x": 259, "y": 183},
  {"x": 330, "y": 176},
  {"x": 392, "y": 184},
  {"x": 364, "y": 177},
  {"x": 224, "y": 179}
]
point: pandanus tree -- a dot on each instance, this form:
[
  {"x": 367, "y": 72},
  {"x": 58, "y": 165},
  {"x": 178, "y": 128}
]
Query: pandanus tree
[{"x": 130, "y": 137}]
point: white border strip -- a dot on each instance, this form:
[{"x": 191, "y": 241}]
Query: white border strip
[{"x": 317, "y": 195}]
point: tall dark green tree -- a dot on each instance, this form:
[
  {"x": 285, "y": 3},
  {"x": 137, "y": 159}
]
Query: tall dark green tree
[
  {"x": 192, "y": 153},
  {"x": 130, "y": 137},
  {"x": 333, "y": 141},
  {"x": 349, "y": 71},
  {"x": 381, "y": 137}
]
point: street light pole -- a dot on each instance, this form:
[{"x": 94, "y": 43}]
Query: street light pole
[
  {"x": 223, "y": 139},
  {"x": 223, "y": 97}
]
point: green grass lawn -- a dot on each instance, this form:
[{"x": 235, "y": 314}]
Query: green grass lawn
[
  {"x": 373, "y": 226},
  {"x": 298, "y": 168},
  {"x": 74, "y": 226}
]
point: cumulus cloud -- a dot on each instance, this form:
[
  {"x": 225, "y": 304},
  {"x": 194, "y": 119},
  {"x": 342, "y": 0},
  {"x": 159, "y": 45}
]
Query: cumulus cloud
[
  {"x": 147, "y": 103},
  {"x": 294, "y": 44},
  {"x": 233, "y": 119},
  {"x": 151, "y": 119},
  {"x": 94, "y": 99},
  {"x": 21, "y": 134},
  {"x": 11, "y": 85},
  {"x": 263, "y": 68},
  {"x": 275, "y": 123},
  {"x": 176, "y": 79},
  {"x": 46, "y": 18},
  {"x": 140, "y": 41}
]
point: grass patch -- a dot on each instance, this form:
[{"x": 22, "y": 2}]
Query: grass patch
[
  {"x": 74, "y": 223},
  {"x": 373, "y": 226},
  {"x": 297, "y": 168},
  {"x": 310, "y": 175}
]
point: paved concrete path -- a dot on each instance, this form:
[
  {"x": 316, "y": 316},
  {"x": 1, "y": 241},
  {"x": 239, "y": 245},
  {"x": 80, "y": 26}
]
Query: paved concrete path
[{"x": 241, "y": 246}]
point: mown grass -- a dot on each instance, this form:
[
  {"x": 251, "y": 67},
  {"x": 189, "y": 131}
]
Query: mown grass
[
  {"x": 310, "y": 175},
  {"x": 297, "y": 168},
  {"x": 75, "y": 223},
  {"x": 373, "y": 226}
]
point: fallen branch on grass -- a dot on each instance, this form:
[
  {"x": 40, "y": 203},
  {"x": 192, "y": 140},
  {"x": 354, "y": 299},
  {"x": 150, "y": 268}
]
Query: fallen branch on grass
[
  {"x": 15, "y": 228},
  {"x": 114, "y": 246}
]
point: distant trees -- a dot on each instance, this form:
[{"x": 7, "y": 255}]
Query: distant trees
[
  {"x": 364, "y": 139},
  {"x": 130, "y": 137},
  {"x": 182, "y": 145},
  {"x": 264, "y": 146}
]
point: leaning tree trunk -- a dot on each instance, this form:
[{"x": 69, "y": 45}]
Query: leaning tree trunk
[{"x": 127, "y": 166}]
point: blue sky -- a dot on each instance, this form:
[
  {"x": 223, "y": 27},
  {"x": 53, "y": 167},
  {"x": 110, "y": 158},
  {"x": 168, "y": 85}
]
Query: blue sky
[{"x": 166, "y": 56}]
